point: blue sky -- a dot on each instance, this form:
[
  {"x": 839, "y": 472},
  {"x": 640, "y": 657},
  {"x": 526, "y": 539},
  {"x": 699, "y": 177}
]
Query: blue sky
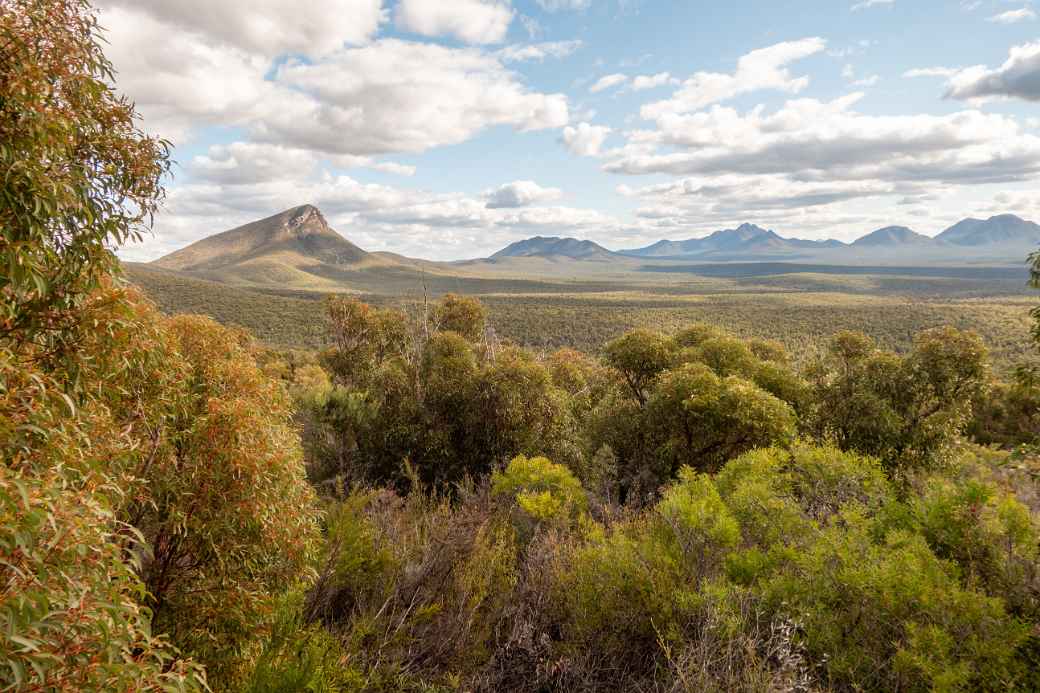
[{"x": 446, "y": 129}]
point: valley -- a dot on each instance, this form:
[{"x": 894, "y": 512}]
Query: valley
[{"x": 271, "y": 276}]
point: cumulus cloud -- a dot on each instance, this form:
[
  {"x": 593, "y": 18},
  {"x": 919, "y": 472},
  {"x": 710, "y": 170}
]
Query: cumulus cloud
[
  {"x": 472, "y": 21},
  {"x": 849, "y": 73},
  {"x": 248, "y": 163},
  {"x": 765, "y": 68},
  {"x": 607, "y": 82},
  {"x": 538, "y": 51},
  {"x": 585, "y": 139},
  {"x": 381, "y": 97},
  {"x": 661, "y": 79},
  {"x": 1018, "y": 77},
  {"x": 1013, "y": 16},
  {"x": 399, "y": 96},
  {"x": 733, "y": 193},
  {"x": 521, "y": 193},
  {"x": 266, "y": 27},
  {"x": 182, "y": 80},
  {"x": 811, "y": 140}
]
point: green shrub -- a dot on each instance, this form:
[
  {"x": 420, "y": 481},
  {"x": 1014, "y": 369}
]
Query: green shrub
[
  {"x": 893, "y": 616},
  {"x": 297, "y": 657},
  {"x": 696, "y": 523},
  {"x": 543, "y": 491},
  {"x": 988, "y": 533}
]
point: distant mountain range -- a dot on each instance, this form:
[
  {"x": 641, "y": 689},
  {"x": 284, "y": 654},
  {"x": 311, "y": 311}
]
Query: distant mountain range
[
  {"x": 1005, "y": 236},
  {"x": 742, "y": 241},
  {"x": 297, "y": 249}
]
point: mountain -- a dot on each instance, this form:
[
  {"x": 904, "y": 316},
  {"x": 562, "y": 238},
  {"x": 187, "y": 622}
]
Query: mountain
[
  {"x": 296, "y": 248},
  {"x": 1005, "y": 229},
  {"x": 892, "y": 236},
  {"x": 746, "y": 239},
  {"x": 300, "y": 231},
  {"x": 555, "y": 248}
]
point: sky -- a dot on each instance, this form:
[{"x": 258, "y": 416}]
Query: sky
[{"x": 446, "y": 129}]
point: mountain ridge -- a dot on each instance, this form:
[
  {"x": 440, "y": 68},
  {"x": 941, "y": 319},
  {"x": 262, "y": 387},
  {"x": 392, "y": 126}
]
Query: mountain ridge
[
  {"x": 299, "y": 230},
  {"x": 298, "y": 249},
  {"x": 555, "y": 246}
]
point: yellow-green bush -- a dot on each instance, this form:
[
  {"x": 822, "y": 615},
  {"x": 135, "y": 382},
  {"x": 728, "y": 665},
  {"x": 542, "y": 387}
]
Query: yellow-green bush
[{"x": 543, "y": 491}]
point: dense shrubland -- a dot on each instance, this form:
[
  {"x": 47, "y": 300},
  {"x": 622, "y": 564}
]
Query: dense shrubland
[
  {"x": 687, "y": 511},
  {"x": 684, "y": 512}
]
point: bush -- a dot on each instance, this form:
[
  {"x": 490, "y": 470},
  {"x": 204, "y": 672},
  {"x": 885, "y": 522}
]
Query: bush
[
  {"x": 892, "y": 616},
  {"x": 544, "y": 492},
  {"x": 906, "y": 411}
]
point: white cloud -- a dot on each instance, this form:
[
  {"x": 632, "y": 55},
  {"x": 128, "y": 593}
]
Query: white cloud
[
  {"x": 1013, "y": 16},
  {"x": 1018, "y": 77},
  {"x": 810, "y": 140},
  {"x": 539, "y": 51},
  {"x": 585, "y": 139},
  {"x": 180, "y": 80},
  {"x": 521, "y": 193},
  {"x": 867, "y": 4},
  {"x": 558, "y": 5},
  {"x": 760, "y": 69},
  {"x": 247, "y": 163},
  {"x": 398, "y": 96},
  {"x": 661, "y": 79},
  {"x": 867, "y": 81},
  {"x": 766, "y": 199},
  {"x": 392, "y": 167},
  {"x": 931, "y": 72},
  {"x": 472, "y": 21},
  {"x": 380, "y": 97},
  {"x": 265, "y": 27},
  {"x": 607, "y": 82}
]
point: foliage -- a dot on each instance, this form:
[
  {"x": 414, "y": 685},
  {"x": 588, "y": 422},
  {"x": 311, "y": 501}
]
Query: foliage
[
  {"x": 415, "y": 589},
  {"x": 78, "y": 175},
  {"x": 1034, "y": 281},
  {"x": 904, "y": 410},
  {"x": 435, "y": 402},
  {"x": 460, "y": 314},
  {"x": 70, "y": 611},
  {"x": 1008, "y": 413},
  {"x": 800, "y": 311},
  {"x": 640, "y": 355},
  {"x": 542, "y": 491},
  {"x": 225, "y": 507},
  {"x": 297, "y": 656}
]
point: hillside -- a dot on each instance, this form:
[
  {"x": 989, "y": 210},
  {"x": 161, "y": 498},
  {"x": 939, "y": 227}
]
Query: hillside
[
  {"x": 554, "y": 247},
  {"x": 892, "y": 236},
  {"x": 747, "y": 241},
  {"x": 1003, "y": 229},
  {"x": 295, "y": 248}
]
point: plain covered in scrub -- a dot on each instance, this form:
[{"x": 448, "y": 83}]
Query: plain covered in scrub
[{"x": 420, "y": 506}]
